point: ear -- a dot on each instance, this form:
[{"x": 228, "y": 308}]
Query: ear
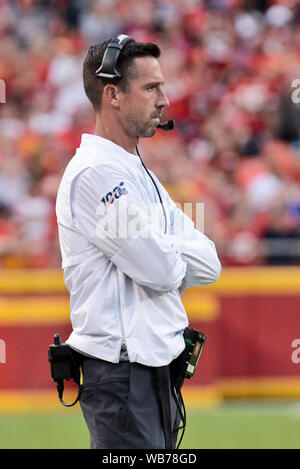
[{"x": 111, "y": 94}]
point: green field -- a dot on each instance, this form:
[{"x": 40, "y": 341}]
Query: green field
[{"x": 234, "y": 425}]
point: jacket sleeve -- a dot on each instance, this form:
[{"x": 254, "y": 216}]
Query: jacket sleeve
[
  {"x": 107, "y": 209},
  {"x": 197, "y": 250}
]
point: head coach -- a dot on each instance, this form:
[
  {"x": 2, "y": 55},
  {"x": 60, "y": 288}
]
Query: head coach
[{"x": 126, "y": 311}]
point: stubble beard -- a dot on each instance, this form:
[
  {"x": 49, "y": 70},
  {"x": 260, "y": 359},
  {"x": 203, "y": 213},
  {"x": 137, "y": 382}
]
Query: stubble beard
[
  {"x": 137, "y": 128},
  {"x": 147, "y": 131}
]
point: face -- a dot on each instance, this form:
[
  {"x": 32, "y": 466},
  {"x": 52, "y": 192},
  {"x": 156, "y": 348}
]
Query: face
[{"x": 143, "y": 104}]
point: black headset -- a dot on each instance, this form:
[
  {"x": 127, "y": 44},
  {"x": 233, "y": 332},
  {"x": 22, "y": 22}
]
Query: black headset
[{"x": 108, "y": 69}]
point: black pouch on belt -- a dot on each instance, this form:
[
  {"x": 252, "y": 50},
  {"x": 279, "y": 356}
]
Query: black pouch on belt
[
  {"x": 65, "y": 364},
  {"x": 184, "y": 366}
]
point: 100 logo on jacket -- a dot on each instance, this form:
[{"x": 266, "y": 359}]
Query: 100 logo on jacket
[{"x": 116, "y": 193}]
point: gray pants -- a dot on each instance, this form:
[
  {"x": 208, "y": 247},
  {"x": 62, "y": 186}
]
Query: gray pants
[{"x": 121, "y": 406}]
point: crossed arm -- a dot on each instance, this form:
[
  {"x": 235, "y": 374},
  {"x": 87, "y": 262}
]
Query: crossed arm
[{"x": 183, "y": 258}]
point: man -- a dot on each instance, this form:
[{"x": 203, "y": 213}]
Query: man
[{"x": 127, "y": 253}]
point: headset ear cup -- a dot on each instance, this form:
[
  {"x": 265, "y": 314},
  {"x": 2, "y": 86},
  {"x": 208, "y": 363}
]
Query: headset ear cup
[{"x": 108, "y": 69}]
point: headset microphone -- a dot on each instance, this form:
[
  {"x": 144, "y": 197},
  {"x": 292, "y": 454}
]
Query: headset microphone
[{"x": 167, "y": 125}]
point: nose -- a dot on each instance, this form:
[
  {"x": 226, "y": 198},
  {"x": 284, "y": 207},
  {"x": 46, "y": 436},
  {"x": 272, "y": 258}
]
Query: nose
[{"x": 162, "y": 99}]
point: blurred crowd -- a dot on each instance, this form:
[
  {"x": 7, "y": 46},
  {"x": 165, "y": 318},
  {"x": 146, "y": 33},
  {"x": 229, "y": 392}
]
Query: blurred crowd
[{"x": 229, "y": 67}]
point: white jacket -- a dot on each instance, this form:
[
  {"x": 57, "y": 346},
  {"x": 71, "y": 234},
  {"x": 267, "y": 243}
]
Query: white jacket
[{"x": 124, "y": 274}]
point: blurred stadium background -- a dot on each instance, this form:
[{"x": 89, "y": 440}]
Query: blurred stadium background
[{"x": 229, "y": 67}]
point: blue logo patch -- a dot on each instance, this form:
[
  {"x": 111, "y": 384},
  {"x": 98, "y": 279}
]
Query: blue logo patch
[{"x": 116, "y": 193}]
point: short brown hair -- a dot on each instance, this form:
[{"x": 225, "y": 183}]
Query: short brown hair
[{"x": 93, "y": 86}]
